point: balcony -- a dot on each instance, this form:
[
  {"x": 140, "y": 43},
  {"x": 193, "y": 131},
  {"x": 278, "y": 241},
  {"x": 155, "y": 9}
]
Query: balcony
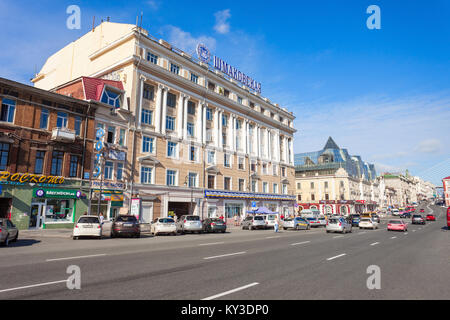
[{"x": 63, "y": 135}]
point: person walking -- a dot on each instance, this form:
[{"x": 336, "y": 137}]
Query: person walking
[
  {"x": 236, "y": 220},
  {"x": 101, "y": 217},
  {"x": 275, "y": 227}
]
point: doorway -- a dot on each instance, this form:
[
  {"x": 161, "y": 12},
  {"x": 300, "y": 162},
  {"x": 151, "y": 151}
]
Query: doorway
[
  {"x": 5, "y": 207},
  {"x": 36, "y": 218},
  {"x": 180, "y": 208}
]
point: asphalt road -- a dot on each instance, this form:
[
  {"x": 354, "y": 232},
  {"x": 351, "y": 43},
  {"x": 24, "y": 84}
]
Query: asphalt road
[{"x": 237, "y": 265}]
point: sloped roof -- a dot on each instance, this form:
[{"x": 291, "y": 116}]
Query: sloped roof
[
  {"x": 330, "y": 144},
  {"x": 93, "y": 87}
]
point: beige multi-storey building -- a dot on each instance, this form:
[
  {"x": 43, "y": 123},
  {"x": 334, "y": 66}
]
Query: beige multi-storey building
[{"x": 198, "y": 142}]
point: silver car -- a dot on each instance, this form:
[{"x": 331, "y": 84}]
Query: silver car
[
  {"x": 189, "y": 224},
  {"x": 8, "y": 232},
  {"x": 338, "y": 224},
  {"x": 254, "y": 222}
]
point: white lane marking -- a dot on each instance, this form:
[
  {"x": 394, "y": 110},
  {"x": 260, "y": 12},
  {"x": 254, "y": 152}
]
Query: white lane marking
[
  {"x": 405, "y": 233},
  {"x": 295, "y": 244},
  {"x": 210, "y": 244},
  {"x": 33, "y": 286},
  {"x": 414, "y": 230},
  {"x": 337, "y": 237},
  {"x": 79, "y": 257},
  {"x": 393, "y": 237},
  {"x": 273, "y": 237},
  {"x": 231, "y": 291},
  {"x": 338, "y": 256},
  {"x": 224, "y": 255},
  {"x": 375, "y": 243}
]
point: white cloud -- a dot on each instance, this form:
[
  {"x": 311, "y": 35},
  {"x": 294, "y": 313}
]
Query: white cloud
[
  {"x": 185, "y": 40},
  {"x": 222, "y": 25},
  {"x": 429, "y": 146},
  {"x": 154, "y": 5}
]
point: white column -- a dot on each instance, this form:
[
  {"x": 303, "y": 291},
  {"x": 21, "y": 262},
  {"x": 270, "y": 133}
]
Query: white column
[
  {"x": 164, "y": 111},
  {"x": 158, "y": 108},
  {"x": 204, "y": 122},
  {"x": 267, "y": 152},
  {"x": 185, "y": 116},
  {"x": 258, "y": 144},
  {"x": 277, "y": 147},
  {"x": 220, "y": 129},
  {"x": 180, "y": 113},
  {"x": 245, "y": 136},
  {"x": 291, "y": 146},
  {"x": 233, "y": 133},
  {"x": 143, "y": 79},
  {"x": 216, "y": 127},
  {"x": 199, "y": 122}
]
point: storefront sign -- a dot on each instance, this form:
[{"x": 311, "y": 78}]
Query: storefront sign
[
  {"x": 108, "y": 185},
  {"x": 56, "y": 193},
  {"x": 204, "y": 55},
  {"x": 98, "y": 148},
  {"x": 7, "y": 177}
]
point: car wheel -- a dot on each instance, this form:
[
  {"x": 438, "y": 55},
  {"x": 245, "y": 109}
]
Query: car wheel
[
  {"x": 328, "y": 231},
  {"x": 284, "y": 228},
  {"x": 75, "y": 238},
  {"x": 6, "y": 242},
  {"x": 138, "y": 235},
  {"x": 16, "y": 237},
  {"x": 251, "y": 227}
]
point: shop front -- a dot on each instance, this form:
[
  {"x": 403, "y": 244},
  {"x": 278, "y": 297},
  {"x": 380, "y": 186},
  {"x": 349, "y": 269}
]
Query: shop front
[{"x": 112, "y": 200}]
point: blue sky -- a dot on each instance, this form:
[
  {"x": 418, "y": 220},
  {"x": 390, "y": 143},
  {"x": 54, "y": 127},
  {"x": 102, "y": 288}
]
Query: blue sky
[{"x": 382, "y": 94}]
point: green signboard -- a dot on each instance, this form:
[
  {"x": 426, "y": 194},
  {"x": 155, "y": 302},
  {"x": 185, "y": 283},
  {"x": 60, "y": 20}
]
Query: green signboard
[{"x": 56, "y": 193}]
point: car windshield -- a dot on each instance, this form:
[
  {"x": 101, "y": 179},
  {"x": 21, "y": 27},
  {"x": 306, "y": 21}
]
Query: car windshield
[
  {"x": 287, "y": 219},
  {"x": 357, "y": 216},
  {"x": 166, "y": 220},
  {"x": 258, "y": 218},
  {"x": 193, "y": 218},
  {"x": 311, "y": 219},
  {"x": 88, "y": 220},
  {"x": 333, "y": 220},
  {"x": 365, "y": 220},
  {"x": 395, "y": 222},
  {"x": 126, "y": 219}
]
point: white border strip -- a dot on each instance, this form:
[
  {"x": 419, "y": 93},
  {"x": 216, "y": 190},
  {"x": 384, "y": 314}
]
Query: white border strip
[{"x": 79, "y": 257}]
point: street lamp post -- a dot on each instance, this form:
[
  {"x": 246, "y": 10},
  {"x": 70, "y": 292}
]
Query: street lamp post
[{"x": 186, "y": 183}]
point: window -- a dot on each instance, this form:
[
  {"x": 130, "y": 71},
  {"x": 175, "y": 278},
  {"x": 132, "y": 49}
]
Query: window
[
  {"x": 275, "y": 170},
  {"x": 174, "y": 68},
  {"x": 211, "y": 157},
  {"x": 147, "y": 144},
  {"x": 170, "y": 123},
  {"x": 313, "y": 197},
  {"x": 224, "y": 139},
  {"x": 209, "y": 135},
  {"x": 119, "y": 172},
  {"x": 122, "y": 137},
  {"x": 285, "y": 189},
  {"x": 149, "y": 92},
  {"x": 77, "y": 125},
  {"x": 226, "y": 93},
  {"x": 171, "y": 149},
  {"x": 327, "y": 197},
  {"x": 171, "y": 100},
  {"x": 111, "y": 98},
  {"x": 146, "y": 175},
  {"x": 171, "y": 177},
  {"x": 224, "y": 120},
  {"x": 152, "y": 58},
  {"x": 299, "y": 185},
  {"x": 44, "y": 119},
  {"x": 227, "y": 160},
  {"x": 211, "y": 86},
  {"x": 7, "y": 112},
  {"x": 147, "y": 116},
  {"x": 194, "y": 78},
  {"x": 264, "y": 168},
  {"x": 61, "y": 120},
  {"x": 241, "y": 163},
  {"x": 239, "y": 99},
  {"x": 241, "y": 185},
  {"x": 312, "y": 185},
  {"x": 73, "y": 170},
  {"x": 209, "y": 114},
  {"x": 39, "y": 162},
  {"x": 227, "y": 183},
  {"x": 275, "y": 188},
  {"x": 211, "y": 181},
  {"x": 326, "y": 185},
  {"x": 253, "y": 166},
  {"x": 283, "y": 171},
  {"x": 111, "y": 136},
  {"x": 190, "y": 129},
  {"x": 109, "y": 167},
  {"x": 4, "y": 155},
  {"x": 57, "y": 161},
  {"x": 299, "y": 197},
  {"x": 192, "y": 180},
  {"x": 192, "y": 153},
  {"x": 254, "y": 186},
  {"x": 191, "y": 108},
  {"x": 265, "y": 187},
  {"x": 262, "y": 110}
]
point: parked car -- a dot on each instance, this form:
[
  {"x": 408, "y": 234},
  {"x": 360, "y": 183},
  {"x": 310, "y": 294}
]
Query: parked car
[
  {"x": 397, "y": 225},
  {"x": 125, "y": 225},
  {"x": 296, "y": 223},
  {"x": 355, "y": 219},
  {"x": 214, "y": 225},
  {"x": 368, "y": 223},
  {"x": 8, "y": 232},
  {"x": 314, "y": 222},
  {"x": 189, "y": 223},
  {"x": 339, "y": 224},
  {"x": 253, "y": 222},
  {"x": 270, "y": 220},
  {"x": 87, "y": 226},
  {"x": 418, "y": 219},
  {"x": 422, "y": 210},
  {"x": 431, "y": 217},
  {"x": 163, "y": 226},
  {"x": 376, "y": 218}
]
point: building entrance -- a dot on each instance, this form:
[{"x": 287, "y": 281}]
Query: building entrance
[
  {"x": 180, "y": 208},
  {"x": 5, "y": 204}
]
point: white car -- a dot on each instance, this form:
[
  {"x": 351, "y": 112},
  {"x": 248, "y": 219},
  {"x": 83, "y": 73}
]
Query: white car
[
  {"x": 367, "y": 223},
  {"x": 395, "y": 212},
  {"x": 87, "y": 226},
  {"x": 338, "y": 224},
  {"x": 322, "y": 221},
  {"x": 270, "y": 220},
  {"x": 163, "y": 225}
]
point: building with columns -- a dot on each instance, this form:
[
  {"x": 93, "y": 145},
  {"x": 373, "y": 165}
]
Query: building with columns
[{"x": 198, "y": 141}]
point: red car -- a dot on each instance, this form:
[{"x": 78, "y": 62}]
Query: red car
[
  {"x": 397, "y": 225},
  {"x": 431, "y": 217},
  {"x": 422, "y": 210}
]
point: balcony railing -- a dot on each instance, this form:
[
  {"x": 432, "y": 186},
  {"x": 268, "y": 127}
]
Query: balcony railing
[{"x": 63, "y": 135}]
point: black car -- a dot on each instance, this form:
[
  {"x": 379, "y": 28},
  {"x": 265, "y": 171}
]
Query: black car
[
  {"x": 126, "y": 225},
  {"x": 376, "y": 218},
  {"x": 214, "y": 225},
  {"x": 405, "y": 215}
]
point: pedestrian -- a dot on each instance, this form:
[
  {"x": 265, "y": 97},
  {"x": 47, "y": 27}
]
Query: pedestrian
[
  {"x": 282, "y": 216},
  {"x": 221, "y": 217},
  {"x": 101, "y": 218},
  {"x": 235, "y": 220},
  {"x": 275, "y": 227}
]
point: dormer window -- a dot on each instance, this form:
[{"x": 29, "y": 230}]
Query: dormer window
[{"x": 112, "y": 98}]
